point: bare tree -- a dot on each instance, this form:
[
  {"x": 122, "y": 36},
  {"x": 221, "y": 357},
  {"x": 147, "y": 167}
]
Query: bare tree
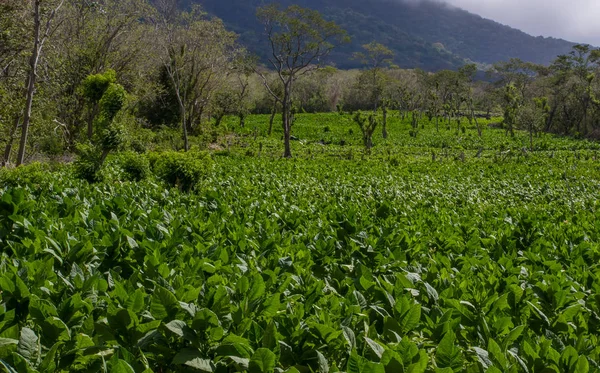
[
  {"x": 299, "y": 39},
  {"x": 39, "y": 39},
  {"x": 195, "y": 50}
]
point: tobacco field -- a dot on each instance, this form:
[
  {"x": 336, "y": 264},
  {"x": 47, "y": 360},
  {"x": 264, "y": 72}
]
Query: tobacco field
[{"x": 440, "y": 253}]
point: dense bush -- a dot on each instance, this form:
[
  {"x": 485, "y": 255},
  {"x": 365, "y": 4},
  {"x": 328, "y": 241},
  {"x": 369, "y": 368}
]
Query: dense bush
[
  {"x": 136, "y": 167},
  {"x": 33, "y": 174},
  {"x": 181, "y": 170},
  {"x": 88, "y": 164}
]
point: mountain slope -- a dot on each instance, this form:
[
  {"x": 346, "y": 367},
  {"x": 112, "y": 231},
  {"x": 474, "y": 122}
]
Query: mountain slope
[{"x": 425, "y": 34}]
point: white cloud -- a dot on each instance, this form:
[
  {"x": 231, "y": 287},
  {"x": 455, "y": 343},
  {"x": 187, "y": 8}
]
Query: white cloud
[{"x": 574, "y": 20}]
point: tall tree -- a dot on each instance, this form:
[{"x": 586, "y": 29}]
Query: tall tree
[
  {"x": 97, "y": 36},
  {"x": 41, "y": 31},
  {"x": 195, "y": 50},
  {"x": 299, "y": 39},
  {"x": 14, "y": 34},
  {"x": 375, "y": 58}
]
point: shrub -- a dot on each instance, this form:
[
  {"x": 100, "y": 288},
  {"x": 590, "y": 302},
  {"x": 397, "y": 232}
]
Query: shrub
[
  {"x": 32, "y": 174},
  {"x": 182, "y": 170},
  {"x": 52, "y": 146},
  {"x": 143, "y": 139},
  {"x": 88, "y": 163},
  {"x": 136, "y": 167},
  {"x": 111, "y": 137}
]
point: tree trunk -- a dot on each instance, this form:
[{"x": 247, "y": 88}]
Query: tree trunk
[
  {"x": 384, "y": 123},
  {"x": 272, "y": 119},
  {"x": 218, "y": 119},
  {"x": 437, "y": 123},
  {"x": 287, "y": 125},
  {"x": 184, "y": 127},
  {"x": 33, "y": 64},
  {"x": 475, "y": 119},
  {"x": 550, "y": 119},
  {"x": 287, "y": 153},
  {"x": 92, "y": 116},
  {"x": 103, "y": 157},
  {"x": 9, "y": 144},
  {"x": 242, "y": 119},
  {"x": 368, "y": 142}
]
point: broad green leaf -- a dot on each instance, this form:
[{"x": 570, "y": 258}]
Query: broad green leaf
[
  {"x": 392, "y": 361},
  {"x": 176, "y": 327},
  {"x": 164, "y": 304},
  {"x": 257, "y": 289},
  {"x": 447, "y": 355},
  {"x": 354, "y": 363},
  {"x": 375, "y": 347},
  {"x": 28, "y": 344},
  {"x": 539, "y": 313},
  {"x": 271, "y": 306},
  {"x": 121, "y": 366},
  {"x": 358, "y": 364},
  {"x": 135, "y": 303},
  {"x": 349, "y": 337},
  {"x": 512, "y": 336},
  {"x": 269, "y": 339},
  {"x": 432, "y": 293},
  {"x": 421, "y": 365},
  {"x": 49, "y": 363},
  {"x": 132, "y": 243},
  {"x": 192, "y": 358},
  {"x": 496, "y": 354},
  {"x": 241, "y": 363},
  {"x": 205, "y": 320},
  {"x": 483, "y": 357},
  {"x": 582, "y": 365},
  {"x": 323, "y": 364},
  {"x": 8, "y": 341},
  {"x": 411, "y": 319},
  {"x": 263, "y": 361},
  {"x": 54, "y": 329},
  {"x": 569, "y": 358}
]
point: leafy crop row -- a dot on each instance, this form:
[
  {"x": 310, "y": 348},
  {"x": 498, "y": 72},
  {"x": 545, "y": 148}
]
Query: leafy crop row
[{"x": 306, "y": 265}]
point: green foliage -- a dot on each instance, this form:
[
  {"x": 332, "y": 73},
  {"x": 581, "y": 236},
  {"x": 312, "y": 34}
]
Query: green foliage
[
  {"x": 110, "y": 98},
  {"x": 136, "y": 167},
  {"x": 34, "y": 174},
  {"x": 182, "y": 170},
  {"x": 368, "y": 124},
  {"x": 88, "y": 164},
  {"x": 95, "y": 86},
  {"x": 111, "y": 136},
  {"x": 111, "y": 102},
  {"x": 512, "y": 103},
  {"x": 391, "y": 262}
]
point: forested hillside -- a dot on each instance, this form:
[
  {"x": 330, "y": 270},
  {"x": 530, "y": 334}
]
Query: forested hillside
[{"x": 426, "y": 34}]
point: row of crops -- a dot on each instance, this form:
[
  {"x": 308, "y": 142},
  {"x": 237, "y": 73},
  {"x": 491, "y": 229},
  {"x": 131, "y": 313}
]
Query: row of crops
[{"x": 306, "y": 265}]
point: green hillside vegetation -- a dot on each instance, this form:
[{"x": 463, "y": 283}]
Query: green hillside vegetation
[{"x": 409, "y": 28}]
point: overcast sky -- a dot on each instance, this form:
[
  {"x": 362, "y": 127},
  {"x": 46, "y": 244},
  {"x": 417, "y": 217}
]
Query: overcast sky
[{"x": 574, "y": 20}]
